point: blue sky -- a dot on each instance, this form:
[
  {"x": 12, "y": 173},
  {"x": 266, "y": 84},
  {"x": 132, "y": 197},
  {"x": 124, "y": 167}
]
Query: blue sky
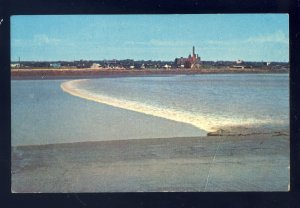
[{"x": 250, "y": 37}]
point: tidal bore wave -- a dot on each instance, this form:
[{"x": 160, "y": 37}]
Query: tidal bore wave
[{"x": 200, "y": 121}]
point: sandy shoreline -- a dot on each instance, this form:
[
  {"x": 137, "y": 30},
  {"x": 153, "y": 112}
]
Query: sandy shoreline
[
  {"x": 215, "y": 163},
  {"x": 97, "y": 73}
]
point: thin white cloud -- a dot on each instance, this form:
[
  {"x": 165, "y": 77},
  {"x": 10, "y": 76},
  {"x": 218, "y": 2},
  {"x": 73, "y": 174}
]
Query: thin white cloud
[
  {"x": 277, "y": 37},
  {"x": 37, "y": 40},
  {"x": 155, "y": 42},
  {"x": 17, "y": 42},
  {"x": 135, "y": 43},
  {"x": 169, "y": 43},
  {"x": 42, "y": 39},
  {"x": 221, "y": 42}
]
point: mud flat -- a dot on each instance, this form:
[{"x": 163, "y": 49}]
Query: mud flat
[{"x": 253, "y": 162}]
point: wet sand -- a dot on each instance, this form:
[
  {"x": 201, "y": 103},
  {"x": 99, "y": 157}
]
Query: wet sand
[{"x": 254, "y": 162}]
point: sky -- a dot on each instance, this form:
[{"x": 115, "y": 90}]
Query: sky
[{"x": 216, "y": 37}]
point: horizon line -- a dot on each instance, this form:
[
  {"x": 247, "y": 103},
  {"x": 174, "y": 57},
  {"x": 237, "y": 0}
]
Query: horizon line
[{"x": 141, "y": 60}]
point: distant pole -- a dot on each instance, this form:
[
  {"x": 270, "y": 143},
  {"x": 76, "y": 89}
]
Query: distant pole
[
  {"x": 193, "y": 50},
  {"x": 19, "y": 62}
]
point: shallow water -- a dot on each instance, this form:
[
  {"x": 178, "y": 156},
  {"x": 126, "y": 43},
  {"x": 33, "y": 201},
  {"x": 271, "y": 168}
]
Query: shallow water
[
  {"x": 205, "y": 101},
  {"x": 145, "y": 107},
  {"x": 41, "y": 113}
]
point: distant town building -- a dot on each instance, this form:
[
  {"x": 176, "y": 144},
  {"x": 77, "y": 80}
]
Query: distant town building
[
  {"x": 239, "y": 61},
  {"x": 240, "y": 64},
  {"x": 143, "y": 66},
  {"x": 95, "y": 66},
  {"x": 55, "y": 65},
  {"x": 192, "y": 61},
  {"x": 83, "y": 64},
  {"x": 15, "y": 65},
  {"x": 166, "y": 66}
]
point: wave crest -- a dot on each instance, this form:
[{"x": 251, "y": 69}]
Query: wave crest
[{"x": 202, "y": 122}]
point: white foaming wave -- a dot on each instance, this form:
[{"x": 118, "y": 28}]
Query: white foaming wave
[{"x": 203, "y": 122}]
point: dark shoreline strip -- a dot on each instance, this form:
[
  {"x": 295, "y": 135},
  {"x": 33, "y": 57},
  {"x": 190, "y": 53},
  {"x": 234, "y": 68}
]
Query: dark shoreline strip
[
  {"x": 228, "y": 137},
  {"x": 88, "y": 73},
  {"x": 107, "y": 141}
]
